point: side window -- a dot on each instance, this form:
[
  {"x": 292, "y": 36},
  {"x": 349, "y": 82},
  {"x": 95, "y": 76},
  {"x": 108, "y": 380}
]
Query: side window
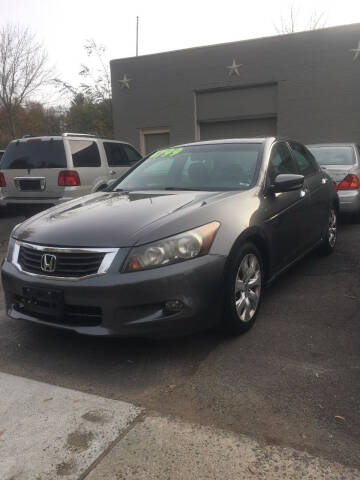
[
  {"x": 304, "y": 160},
  {"x": 280, "y": 162},
  {"x": 132, "y": 154},
  {"x": 115, "y": 154},
  {"x": 85, "y": 153}
]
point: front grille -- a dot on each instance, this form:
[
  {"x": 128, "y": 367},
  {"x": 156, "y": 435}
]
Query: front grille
[
  {"x": 74, "y": 315},
  {"x": 67, "y": 264},
  {"x": 29, "y": 185}
]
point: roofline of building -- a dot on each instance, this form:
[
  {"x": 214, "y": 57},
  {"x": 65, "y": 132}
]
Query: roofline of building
[{"x": 215, "y": 45}]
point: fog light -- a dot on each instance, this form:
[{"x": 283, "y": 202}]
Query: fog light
[{"x": 174, "y": 306}]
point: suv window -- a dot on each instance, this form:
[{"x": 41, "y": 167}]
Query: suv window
[
  {"x": 115, "y": 154},
  {"x": 85, "y": 153},
  {"x": 304, "y": 160},
  {"x": 132, "y": 154},
  {"x": 281, "y": 162},
  {"x": 34, "y": 153}
]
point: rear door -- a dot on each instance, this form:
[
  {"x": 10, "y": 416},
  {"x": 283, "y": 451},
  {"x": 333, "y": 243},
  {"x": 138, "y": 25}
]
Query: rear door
[
  {"x": 31, "y": 168},
  {"x": 317, "y": 184},
  {"x": 120, "y": 157}
]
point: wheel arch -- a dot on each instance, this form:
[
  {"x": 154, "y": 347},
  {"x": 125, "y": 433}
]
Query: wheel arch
[
  {"x": 257, "y": 237},
  {"x": 336, "y": 203}
]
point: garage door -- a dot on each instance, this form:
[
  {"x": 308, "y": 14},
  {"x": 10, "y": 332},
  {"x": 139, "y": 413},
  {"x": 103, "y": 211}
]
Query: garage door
[
  {"x": 256, "y": 127},
  {"x": 154, "y": 141}
]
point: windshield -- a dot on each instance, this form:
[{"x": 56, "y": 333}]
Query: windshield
[
  {"x": 327, "y": 155},
  {"x": 34, "y": 154},
  {"x": 231, "y": 166}
]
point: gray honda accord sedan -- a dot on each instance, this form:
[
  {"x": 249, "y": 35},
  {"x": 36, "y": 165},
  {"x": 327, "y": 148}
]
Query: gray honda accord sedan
[{"x": 186, "y": 239}]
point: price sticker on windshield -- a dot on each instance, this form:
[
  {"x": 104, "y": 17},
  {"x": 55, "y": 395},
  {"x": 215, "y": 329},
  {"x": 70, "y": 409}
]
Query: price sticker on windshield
[{"x": 167, "y": 152}]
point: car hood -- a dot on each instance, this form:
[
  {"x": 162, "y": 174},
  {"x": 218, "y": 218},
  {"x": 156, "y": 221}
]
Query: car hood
[{"x": 110, "y": 219}]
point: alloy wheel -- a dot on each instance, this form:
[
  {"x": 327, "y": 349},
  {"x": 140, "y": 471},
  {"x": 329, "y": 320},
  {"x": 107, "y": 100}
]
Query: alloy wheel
[
  {"x": 332, "y": 230},
  {"x": 248, "y": 287}
]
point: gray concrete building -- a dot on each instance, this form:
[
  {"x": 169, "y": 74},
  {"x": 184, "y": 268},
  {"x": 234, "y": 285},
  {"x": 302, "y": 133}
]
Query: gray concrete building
[{"x": 304, "y": 85}]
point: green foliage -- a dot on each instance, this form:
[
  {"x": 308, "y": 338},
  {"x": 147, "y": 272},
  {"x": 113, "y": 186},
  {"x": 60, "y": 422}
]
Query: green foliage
[
  {"x": 31, "y": 119},
  {"x": 88, "y": 117}
]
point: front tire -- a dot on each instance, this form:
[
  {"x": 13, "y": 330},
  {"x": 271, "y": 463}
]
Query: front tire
[
  {"x": 244, "y": 288},
  {"x": 329, "y": 241}
]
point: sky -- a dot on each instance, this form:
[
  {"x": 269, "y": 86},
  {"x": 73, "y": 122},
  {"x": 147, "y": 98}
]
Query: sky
[{"x": 64, "y": 25}]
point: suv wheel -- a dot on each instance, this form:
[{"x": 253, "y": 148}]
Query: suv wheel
[{"x": 244, "y": 287}]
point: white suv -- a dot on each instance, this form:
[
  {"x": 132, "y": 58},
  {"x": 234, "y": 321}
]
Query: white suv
[{"x": 55, "y": 169}]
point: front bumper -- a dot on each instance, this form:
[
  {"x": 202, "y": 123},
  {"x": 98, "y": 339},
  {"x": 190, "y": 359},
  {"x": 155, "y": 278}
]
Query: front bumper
[
  {"x": 349, "y": 201},
  {"x": 128, "y": 304}
]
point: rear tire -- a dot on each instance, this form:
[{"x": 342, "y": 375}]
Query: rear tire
[
  {"x": 329, "y": 241},
  {"x": 243, "y": 290}
]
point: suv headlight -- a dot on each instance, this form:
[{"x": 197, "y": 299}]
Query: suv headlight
[{"x": 184, "y": 246}]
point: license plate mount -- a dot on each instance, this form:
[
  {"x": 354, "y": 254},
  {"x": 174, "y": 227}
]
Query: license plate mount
[{"x": 44, "y": 300}]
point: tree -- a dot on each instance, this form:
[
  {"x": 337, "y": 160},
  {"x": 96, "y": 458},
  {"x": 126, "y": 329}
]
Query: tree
[
  {"x": 99, "y": 88},
  {"x": 23, "y": 70},
  {"x": 89, "y": 117},
  {"x": 34, "y": 119},
  {"x": 290, "y": 22},
  {"x": 91, "y": 106}
]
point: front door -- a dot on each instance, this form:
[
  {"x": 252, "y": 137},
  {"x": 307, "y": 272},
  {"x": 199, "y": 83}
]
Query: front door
[
  {"x": 286, "y": 212},
  {"x": 316, "y": 183}
]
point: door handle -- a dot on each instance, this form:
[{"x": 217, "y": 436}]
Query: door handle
[
  {"x": 324, "y": 180},
  {"x": 303, "y": 192}
]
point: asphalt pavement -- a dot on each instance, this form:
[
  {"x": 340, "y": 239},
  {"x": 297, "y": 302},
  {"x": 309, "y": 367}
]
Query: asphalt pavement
[{"x": 293, "y": 380}]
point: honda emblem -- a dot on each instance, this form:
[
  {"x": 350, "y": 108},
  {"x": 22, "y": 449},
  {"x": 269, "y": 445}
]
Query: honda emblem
[{"x": 48, "y": 263}]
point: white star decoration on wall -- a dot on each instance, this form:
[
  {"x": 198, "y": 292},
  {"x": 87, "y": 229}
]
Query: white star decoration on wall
[
  {"x": 125, "y": 81},
  {"x": 356, "y": 51},
  {"x": 234, "y": 68}
]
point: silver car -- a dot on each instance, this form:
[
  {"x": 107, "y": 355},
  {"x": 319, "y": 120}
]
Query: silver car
[
  {"x": 342, "y": 162},
  {"x": 55, "y": 169}
]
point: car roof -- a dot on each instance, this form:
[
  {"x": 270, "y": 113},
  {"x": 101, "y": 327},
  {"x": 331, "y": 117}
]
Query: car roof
[
  {"x": 339, "y": 144},
  {"x": 71, "y": 137},
  {"x": 229, "y": 140}
]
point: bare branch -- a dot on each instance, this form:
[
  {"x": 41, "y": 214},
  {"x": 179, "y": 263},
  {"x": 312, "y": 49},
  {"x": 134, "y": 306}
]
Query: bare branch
[{"x": 290, "y": 23}]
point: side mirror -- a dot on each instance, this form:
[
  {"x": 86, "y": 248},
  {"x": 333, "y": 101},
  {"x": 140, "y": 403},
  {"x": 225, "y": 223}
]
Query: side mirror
[{"x": 287, "y": 182}]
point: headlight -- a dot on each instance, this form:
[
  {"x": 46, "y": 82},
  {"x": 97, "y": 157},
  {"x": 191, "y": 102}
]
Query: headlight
[
  {"x": 10, "y": 249},
  {"x": 11, "y": 244},
  {"x": 178, "y": 248}
]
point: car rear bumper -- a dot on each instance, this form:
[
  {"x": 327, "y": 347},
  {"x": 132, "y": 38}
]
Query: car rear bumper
[
  {"x": 128, "y": 304},
  {"x": 5, "y": 201},
  {"x": 349, "y": 201}
]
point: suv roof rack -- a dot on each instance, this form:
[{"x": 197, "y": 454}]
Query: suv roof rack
[{"x": 69, "y": 134}]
